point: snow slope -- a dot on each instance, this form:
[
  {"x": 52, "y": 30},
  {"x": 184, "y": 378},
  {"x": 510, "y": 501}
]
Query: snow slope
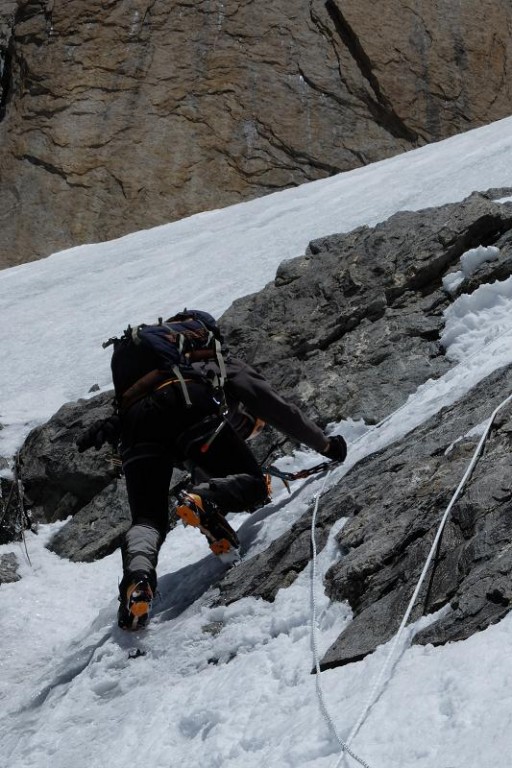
[{"x": 231, "y": 686}]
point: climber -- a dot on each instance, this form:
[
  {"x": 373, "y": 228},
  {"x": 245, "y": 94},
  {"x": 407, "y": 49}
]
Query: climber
[{"x": 181, "y": 402}]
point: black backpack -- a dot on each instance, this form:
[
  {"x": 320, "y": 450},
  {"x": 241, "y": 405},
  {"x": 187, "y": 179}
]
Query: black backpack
[{"x": 187, "y": 337}]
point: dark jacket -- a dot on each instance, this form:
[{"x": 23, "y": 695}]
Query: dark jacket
[
  {"x": 245, "y": 385},
  {"x": 137, "y": 372}
]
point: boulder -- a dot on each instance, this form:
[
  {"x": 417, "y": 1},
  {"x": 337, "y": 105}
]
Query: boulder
[
  {"x": 97, "y": 529},
  {"x": 9, "y": 568},
  {"x": 58, "y": 480}
]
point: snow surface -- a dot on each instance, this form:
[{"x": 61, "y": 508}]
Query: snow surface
[
  {"x": 231, "y": 686},
  {"x": 469, "y": 262}
]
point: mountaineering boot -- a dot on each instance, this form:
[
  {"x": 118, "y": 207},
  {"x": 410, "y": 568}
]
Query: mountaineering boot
[
  {"x": 205, "y": 515},
  {"x": 135, "y": 598}
]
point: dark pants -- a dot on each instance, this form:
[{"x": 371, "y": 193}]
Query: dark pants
[{"x": 160, "y": 432}]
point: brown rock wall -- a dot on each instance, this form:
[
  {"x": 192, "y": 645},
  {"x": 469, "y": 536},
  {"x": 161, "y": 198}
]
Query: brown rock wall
[
  {"x": 124, "y": 114},
  {"x": 442, "y": 64}
]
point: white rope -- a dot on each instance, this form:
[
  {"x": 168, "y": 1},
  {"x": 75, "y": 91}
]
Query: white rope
[
  {"x": 314, "y": 640},
  {"x": 345, "y": 745},
  {"x": 376, "y": 688}
]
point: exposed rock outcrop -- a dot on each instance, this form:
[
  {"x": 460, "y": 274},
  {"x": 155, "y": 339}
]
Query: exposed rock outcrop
[
  {"x": 97, "y": 529},
  {"x": 9, "y": 568},
  {"x": 394, "y": 501},
  {"x": 58, "y": 481},
  {"x": 374, "y": 305},
  {"x": 395, "y": 498},
  {"x": 118, "y": 116}
]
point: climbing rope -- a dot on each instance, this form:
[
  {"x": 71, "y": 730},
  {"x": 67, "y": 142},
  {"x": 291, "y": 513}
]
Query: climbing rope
[
  {"x": 314, "y": 640},
  {"x": 469, "y": 471},
  {"x": 377, "y": 686}
]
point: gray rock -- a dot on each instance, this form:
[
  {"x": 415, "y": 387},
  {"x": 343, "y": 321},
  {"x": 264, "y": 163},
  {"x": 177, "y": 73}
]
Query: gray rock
[
  {"x": 275, "y": 568},
  {"x": 97, "y": 529},
  {"x": 352, "y": 328},
  {"x": 9, "y": 568},
  {"x": 400, "y": 495},
  {"x": 59, "y": 481},
  {"x": 394, "y": 500},
  {"x": 376, "y": 300}
]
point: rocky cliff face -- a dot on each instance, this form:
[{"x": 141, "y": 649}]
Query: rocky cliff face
[
  {"x": 375, "y": 299},
  {"x": 122, "y": 114},
  {"x": 374, "y": 302}
]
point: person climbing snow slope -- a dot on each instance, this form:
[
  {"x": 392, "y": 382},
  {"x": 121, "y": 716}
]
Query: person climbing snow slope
[{"x": 181, "y": 402}]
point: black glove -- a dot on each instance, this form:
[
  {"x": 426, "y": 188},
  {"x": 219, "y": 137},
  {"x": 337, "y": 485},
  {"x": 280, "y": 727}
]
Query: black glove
[
  {"x": 104, "y": 431},
  {"x": 337, "y": 449}
]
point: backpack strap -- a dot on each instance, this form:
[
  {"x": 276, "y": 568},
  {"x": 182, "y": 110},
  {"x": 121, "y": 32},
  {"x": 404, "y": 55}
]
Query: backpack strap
[
  {"x": 142, "y": 387},
  {"x": 213, "y": 351},
  {"x": 183, "y": 384},
  {"x": 221, "y": 363}
]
